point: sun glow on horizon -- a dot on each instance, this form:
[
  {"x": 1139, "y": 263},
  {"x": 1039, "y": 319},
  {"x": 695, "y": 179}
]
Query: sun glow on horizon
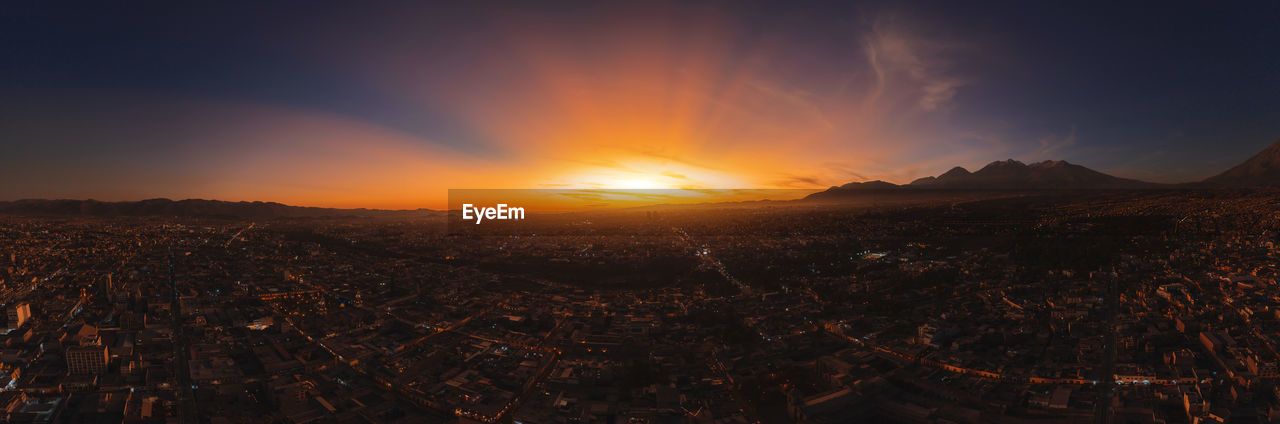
[{"x": 643, "y": 175}]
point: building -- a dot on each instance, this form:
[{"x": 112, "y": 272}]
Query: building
[
  {"x": 91, "y": 359},
  {"x": 18, "y": 314}
]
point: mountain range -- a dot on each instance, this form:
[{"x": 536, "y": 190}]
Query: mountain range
[{"x": 1261, "y": 170}]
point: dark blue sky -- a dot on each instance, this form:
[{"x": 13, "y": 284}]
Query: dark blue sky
[{"x": 1157, "y": 91}]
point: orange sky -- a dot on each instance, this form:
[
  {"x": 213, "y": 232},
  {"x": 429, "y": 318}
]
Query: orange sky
[
  {"x": 645, "y": 110},
  {"x": 641, "y": 109}
]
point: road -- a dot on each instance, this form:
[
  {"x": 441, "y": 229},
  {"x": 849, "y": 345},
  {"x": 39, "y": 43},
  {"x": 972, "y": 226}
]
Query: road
[
  {"x": 186, "y": 392},
  {"x": 1104, "y": 412}
]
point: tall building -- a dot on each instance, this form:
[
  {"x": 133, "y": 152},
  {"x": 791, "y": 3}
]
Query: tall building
[
  {"x": 90, "y": 359},
  {"x": 18, "y": 314}
]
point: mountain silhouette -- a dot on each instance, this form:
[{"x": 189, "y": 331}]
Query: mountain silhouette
[
  {"x": 1013, "y": 175},
  {"x": 1003, "y": 175},
  {"x": 1261, "y": 170}
]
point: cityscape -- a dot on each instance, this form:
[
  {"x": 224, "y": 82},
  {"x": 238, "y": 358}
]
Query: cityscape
[
  {"x": 1155, "y": 306},
  {"x": 639, "y": 212}
]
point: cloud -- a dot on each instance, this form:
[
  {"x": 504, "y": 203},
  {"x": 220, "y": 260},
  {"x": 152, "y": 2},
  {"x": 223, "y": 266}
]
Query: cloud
[
  {"x": 914, "y": 65},
  {"x": 1052, "y": 144},
  {"x": 801, "y": 181}
]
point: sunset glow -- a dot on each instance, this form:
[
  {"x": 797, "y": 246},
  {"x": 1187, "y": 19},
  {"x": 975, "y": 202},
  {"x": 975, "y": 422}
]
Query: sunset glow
[{"x": 339, "y": 112}]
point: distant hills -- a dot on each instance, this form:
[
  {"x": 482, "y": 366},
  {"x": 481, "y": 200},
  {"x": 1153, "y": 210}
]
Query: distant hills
[
  {"x": 188, "y": 208},
  {"x": 1262, "y": 170}
]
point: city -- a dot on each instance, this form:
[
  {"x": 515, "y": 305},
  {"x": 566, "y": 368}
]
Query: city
[{"x": 1159, "y": 305}]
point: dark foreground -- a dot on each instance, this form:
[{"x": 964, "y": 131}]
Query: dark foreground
[{"x": 1156, "y": 306}]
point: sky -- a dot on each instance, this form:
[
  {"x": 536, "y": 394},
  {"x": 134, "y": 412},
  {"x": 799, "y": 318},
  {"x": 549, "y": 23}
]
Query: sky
[{"x": 391, "y": 104}]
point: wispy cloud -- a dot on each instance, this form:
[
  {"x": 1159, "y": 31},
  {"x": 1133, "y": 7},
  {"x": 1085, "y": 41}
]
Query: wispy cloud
[
  {"x": 910, "y": 66},
  {"x": 1052, "y": 145}
]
